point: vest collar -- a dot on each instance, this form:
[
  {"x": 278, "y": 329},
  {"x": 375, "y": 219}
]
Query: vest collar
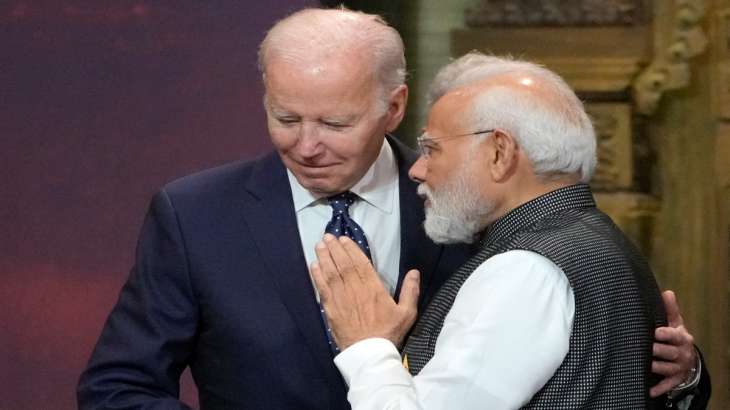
[{"x": 570, "y": 197}]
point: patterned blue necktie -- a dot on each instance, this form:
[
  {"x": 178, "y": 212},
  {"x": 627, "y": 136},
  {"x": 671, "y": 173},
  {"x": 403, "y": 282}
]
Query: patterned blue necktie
[{"x": 342, "y": 224}]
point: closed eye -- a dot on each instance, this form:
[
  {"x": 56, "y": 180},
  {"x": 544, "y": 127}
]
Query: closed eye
[
  {"x": 431, "y": 146},
  {"x": 287, "y": 120},
  {"x": 337, "y": 126}
]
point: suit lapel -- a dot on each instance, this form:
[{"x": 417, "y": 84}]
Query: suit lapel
[{"x": 272, "y": 221}]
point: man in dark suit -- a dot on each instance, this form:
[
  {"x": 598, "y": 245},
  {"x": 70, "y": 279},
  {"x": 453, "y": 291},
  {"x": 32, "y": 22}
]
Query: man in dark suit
[{"x": 221, "y": 283}]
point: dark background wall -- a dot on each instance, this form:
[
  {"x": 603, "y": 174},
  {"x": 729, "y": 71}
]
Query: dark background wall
[{"x": 101, "y": 103}]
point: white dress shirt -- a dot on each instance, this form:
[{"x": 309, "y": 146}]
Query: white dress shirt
[
  {"x": 377, "y": 211},
  {"x": 505, "y": 336}
]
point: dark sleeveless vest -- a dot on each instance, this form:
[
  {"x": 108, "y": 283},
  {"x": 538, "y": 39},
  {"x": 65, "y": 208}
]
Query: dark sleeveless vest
[{"x": 617, "y": 302}]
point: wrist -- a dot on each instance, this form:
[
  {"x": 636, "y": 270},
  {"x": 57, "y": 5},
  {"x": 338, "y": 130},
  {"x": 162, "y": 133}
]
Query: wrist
[{"x": 690, "y": 382}]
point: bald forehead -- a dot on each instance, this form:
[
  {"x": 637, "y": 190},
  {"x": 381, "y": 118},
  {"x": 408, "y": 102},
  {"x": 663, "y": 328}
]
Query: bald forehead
[
  {"x": 536, "y": 87},
  {"x": 452, "y": 109},
  {"x": 319, "y": 34}
]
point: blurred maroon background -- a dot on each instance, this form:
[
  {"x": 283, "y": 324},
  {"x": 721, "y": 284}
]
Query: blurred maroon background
[{"x": 101, "y": 103}]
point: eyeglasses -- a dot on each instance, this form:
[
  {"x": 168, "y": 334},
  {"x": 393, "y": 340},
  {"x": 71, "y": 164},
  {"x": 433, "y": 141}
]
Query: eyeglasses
[{"x": 426, "y": 144}]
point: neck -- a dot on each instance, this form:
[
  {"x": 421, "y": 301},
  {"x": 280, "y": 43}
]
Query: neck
[{"x": 520, "y": 192}]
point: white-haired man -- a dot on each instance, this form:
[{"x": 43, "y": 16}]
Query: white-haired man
[
  {"x": 221, "y": 281},
  {"x": 221, "y": 284},
  {"x": 556, "y": 310}
]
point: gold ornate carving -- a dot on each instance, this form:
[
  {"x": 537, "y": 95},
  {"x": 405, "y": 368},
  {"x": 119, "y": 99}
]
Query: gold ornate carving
[
  {"x": 523, "y": 13},
  {"x": 678, "y": 37},
  {"x": 612, "y": 123}
]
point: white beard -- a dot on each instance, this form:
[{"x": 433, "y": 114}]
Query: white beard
[{"x": 456, "y": 212}]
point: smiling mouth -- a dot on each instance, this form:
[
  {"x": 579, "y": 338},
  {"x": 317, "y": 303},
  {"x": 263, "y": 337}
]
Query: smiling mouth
[
  {"x": 306, "y": 164},
  {"x": 316, "y": 166},
  {"x": 315, "y": 170}
]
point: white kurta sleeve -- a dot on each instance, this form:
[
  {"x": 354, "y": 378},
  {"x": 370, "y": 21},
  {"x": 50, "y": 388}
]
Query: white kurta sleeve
[{"x": 505, "y": 336}]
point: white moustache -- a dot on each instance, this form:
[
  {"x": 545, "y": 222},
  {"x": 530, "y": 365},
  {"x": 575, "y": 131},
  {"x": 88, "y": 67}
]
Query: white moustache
[{"x": 424, "y": 191}]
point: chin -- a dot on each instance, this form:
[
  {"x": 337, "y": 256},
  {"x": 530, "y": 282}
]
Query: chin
[
  {"x": 323, "y": 181},
  {"x": 319, "y": 186}
]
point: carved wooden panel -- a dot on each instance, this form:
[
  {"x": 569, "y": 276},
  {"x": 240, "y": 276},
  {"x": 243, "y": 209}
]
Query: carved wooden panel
[
  {"x": 678, "y": 36},
  {"x": 612, "y": 123},
  {"x": 515, "y": 13},
  {"x": 587, "y": 57}
]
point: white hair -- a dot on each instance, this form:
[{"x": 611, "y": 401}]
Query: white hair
[
  {"x": 318, "y": 34},
  {"x": 554, "y": 131}
]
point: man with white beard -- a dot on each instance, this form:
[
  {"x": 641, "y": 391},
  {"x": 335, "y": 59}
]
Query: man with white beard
[
  {"x": 556, "y": 310},
  {"x": 453, "y": 213}
]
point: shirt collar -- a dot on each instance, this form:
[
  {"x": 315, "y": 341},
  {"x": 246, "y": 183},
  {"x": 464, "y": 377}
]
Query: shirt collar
[{"x": 377, "y": 187}]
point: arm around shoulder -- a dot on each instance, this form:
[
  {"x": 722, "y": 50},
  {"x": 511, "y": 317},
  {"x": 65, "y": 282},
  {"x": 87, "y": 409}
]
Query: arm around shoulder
[{"x": 149, "y": 335}]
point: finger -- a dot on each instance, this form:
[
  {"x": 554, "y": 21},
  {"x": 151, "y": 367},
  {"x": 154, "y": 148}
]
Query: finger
[
  {"x": 672, "y": 308},
  {"x": 326, "y": 265},
  {"x": 356, "y": 253},
  {"x": 664, "y": 368},
  {"x": 670, "y": 335},
  {"x": 409, "y": 292},
  {"x": 364, "y": 269},
  {"x": 321, "y": 283},
  {"x": 339, "y": 256},
  {"x": 663, "y": 386},
  {"x": 665, "y": 352}
]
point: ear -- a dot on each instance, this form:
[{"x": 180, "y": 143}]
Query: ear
[
  {"x": 396, "y": 107},
  {"x": 503, "y": 158}
]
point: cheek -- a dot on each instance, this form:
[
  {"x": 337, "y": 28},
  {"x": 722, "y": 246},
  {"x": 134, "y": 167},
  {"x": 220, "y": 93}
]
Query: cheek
[
  {"x": 435, "y": 172},
  {"x": 282, "y": 140},
  {"x": 343, "y": 148}
]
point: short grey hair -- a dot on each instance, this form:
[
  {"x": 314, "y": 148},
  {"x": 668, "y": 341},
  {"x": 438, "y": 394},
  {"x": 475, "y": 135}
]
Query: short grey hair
[
  {"x": 313, "y": 34},
  {"x": 556, "y": 135}
]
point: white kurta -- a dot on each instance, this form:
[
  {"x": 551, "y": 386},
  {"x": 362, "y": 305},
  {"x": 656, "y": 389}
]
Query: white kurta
[{"x": 505, "y": 336}]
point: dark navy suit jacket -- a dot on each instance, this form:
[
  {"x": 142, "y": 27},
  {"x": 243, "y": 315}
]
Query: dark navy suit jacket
[{"x": 220, "y": 284}]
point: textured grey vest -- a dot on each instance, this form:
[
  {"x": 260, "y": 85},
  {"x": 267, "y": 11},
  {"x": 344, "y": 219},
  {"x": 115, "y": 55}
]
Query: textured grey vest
[{"x": 617, "y": 302}]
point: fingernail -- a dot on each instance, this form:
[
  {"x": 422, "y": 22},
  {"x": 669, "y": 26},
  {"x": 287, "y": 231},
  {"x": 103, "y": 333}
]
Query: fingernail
[
  {"x": 320, "y": 245},
  {"x": 328, "y": 237}
]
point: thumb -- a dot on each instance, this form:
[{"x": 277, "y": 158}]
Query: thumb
[
  {"x": 672, "y": 308},
  {"x": 409, "y": 292}
]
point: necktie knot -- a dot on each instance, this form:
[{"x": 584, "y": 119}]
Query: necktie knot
[{"x": 340, "y": 203}]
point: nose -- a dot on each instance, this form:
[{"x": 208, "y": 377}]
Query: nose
[
  {"x": 309, "y": 143},
  {"x": 417, "y": 172}
]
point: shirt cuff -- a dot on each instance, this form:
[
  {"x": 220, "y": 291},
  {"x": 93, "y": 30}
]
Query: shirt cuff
[{"x": 359, "y": 356}]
